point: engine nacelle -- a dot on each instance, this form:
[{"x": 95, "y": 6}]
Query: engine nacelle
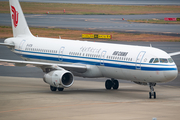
[{"x": 59, "y": 78}]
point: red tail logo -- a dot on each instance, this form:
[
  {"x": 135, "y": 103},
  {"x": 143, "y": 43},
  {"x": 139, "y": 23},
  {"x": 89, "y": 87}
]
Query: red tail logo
[{"x": 14, "y": 16}]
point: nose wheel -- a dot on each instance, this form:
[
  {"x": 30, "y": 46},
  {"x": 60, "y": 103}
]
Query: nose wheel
[
  {"x": 152, "y": 93},
  {"x": 113, "y": 83}
]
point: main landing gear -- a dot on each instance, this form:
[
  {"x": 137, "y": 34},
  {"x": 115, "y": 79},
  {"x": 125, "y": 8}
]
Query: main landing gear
[
  {"x": 52, "y": 88},
  {"x": 113, "y": 83},
  {"x": 152, "y": 93}
]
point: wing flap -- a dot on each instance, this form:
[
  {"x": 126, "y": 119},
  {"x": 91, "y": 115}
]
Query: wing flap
[{"x": 71, "y": 67}]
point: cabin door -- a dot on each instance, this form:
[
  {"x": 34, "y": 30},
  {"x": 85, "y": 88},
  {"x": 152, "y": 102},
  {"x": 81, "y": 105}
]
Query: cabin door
[
  {"x": 139, "y": 60},
  {"x": 60, "y": 57},
  {"x": 102, "y": 58}
]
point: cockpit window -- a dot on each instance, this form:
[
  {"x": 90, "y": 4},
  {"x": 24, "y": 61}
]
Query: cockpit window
[
  {"x": 156, "y": 60},
  {"x": 170, "y": 60},
  {"x": 151, "y": 60},
  {"x": 163, "y": 60}
]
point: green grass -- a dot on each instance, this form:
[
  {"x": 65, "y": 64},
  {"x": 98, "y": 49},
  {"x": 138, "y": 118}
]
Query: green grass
[{"x": 89, "y": 9}]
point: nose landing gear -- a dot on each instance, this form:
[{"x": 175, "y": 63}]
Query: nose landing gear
[
  {"x": 152, "y": 93},
  {"x": 113, "y": 83}
]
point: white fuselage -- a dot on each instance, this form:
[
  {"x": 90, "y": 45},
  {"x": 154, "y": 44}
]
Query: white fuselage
[{"x": 102, "y": 59}]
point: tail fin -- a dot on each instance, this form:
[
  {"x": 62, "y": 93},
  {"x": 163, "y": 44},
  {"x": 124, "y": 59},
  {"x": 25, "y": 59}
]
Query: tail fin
[{"x": 19, "y": 24}]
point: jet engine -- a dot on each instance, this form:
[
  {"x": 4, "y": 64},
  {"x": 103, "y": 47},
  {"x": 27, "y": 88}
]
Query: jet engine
[{"x": 59, "y": 78}]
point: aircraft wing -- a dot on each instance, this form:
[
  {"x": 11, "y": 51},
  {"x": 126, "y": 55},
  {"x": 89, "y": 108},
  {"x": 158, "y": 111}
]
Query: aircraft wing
[
  {"x": 72, "y": 67},
  {"x": 175, "y": 53},
  {"x": 7, "y": 44}
]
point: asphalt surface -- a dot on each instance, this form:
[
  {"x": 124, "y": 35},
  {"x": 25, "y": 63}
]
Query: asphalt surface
[
  {"x": 30, "y": 99},
  {"x": 33, "y": 72},
  {"x": 100, "y": 22},
  {"x": 111, "y": 2}
]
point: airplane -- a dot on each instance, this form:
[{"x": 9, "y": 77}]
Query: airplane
[{"x": 62, "y": 59}]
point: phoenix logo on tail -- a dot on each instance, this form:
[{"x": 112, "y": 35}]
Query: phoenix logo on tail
[{"x": 14, "y": 16}]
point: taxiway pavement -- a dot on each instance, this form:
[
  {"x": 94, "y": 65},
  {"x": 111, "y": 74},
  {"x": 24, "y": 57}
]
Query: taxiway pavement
[
  {"x": 100, "y": 23},
  {"x": 30, "y": 98}
]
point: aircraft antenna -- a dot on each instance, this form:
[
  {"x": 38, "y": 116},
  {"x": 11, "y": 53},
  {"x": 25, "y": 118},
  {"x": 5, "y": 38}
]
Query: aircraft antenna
[{"x": 150, "y": 45}]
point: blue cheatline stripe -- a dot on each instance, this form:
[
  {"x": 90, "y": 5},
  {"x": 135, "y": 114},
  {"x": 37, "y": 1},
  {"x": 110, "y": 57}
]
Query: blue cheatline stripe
[
  {"x": 94, "y": 58},
  {"x": 98, "y": 63}
]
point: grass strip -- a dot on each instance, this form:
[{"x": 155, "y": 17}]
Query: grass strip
[
  {"x": 89, "y": 9},
  {"x": 6, "y": 32}
]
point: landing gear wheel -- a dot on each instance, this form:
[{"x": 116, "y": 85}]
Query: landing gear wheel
[
  {"x": 150, "y": 96},
  {"x": 116, "y": 84},
  {"x": 53, "y": 88},
  {"x": 60, "y": 89},
  {"x": 108, "y": 84},
  {"x": 154, "y": 95}
]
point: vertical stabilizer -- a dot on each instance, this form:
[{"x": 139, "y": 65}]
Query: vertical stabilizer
[{"x": 19, "y": 24}]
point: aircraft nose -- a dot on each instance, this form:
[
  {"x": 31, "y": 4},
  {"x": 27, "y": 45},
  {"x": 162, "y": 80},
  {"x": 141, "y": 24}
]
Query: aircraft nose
[{"x": 170, "y": 75}]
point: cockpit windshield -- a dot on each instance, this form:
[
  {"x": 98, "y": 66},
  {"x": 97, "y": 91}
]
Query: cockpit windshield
[
  {"x": 161, "y": 60},
  {"x": 156, "y": 60},
  {"x": 152, "y": 59},
  {"x": 170, "y": 60}
]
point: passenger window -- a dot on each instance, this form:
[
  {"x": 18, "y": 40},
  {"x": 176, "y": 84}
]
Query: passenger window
[
  {"x": 170, "y": 60},
  {"x": 156, "y": 60},
  {"x": 163, "y": 60},
  {"x": 151, "y": 60}
]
